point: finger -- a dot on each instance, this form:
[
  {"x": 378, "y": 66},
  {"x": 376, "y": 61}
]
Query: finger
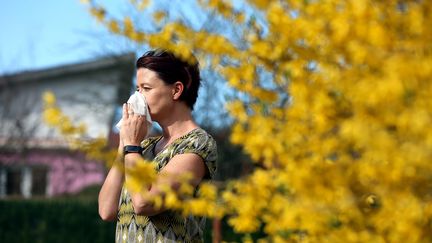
[
  {"x": 136, "y": 118},
  {"x": 130, "y": 110},
  {"x": 125, "y": 111}
]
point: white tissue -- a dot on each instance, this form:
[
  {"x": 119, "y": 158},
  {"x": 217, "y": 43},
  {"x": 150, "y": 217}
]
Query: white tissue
[{"x": 139, "y": 106}]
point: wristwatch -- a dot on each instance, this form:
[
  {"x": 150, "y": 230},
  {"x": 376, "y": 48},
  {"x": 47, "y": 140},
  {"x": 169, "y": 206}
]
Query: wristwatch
[{"x": 132, "y": 149}]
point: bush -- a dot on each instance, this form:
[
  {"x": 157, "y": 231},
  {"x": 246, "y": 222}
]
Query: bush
[
  {"x": 68, "y": 219},
  {"x": 53, "y": 220}
]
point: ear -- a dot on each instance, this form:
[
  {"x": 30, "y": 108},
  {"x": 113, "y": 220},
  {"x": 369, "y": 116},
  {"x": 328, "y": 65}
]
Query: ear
[{"x": 177, "y": 90}]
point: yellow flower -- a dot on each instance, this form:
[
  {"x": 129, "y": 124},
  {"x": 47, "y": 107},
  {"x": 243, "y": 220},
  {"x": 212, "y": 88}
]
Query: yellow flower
[
  {"x": 114, "y": 27},
  {"x": 49, "y": 98},
  {"x": 141, "y": 175},
  {"x": 208, "y": 191},
  {"x": 244, "y": 223},
  {"x": 238, "y": 111},
  {"x": 143, "y": 4},
  {"x": 171, "y": 200},
  {"x": 128, "y": 27},
  {"x": 52, "y": 116},
  {"x": 197, "y": 207},
  {"x": 98, "y": 13},
  {"x": 159, "y": 16}
]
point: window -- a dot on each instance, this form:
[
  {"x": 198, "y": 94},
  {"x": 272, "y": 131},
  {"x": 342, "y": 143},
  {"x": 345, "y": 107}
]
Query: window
[{"x": 23, "y": 180}]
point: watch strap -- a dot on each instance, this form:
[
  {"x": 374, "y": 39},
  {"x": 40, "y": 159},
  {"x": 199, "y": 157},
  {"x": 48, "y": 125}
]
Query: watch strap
[{"x": 132, "y": 149}]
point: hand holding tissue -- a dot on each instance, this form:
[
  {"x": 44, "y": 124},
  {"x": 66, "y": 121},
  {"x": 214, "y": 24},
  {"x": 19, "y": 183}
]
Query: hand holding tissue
[{"x": 138, "y": 104}]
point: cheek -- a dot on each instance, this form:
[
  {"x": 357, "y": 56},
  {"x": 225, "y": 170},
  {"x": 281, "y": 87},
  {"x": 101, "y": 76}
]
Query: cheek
[
  {"x": 156, "y": 101},
  {"x": 151, "y": 102}
]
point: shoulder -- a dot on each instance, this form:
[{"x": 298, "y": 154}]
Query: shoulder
[
  {"x": 199, "y": 142},
  {"x": 198, "y": 139},
  {"x": 149, "y": 141}
]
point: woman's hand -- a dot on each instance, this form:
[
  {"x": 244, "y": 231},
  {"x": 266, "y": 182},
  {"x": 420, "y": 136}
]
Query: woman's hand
[{"x": 134, "y": 127}]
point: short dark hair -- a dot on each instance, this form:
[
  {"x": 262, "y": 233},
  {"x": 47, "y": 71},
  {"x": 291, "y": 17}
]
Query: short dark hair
[{"x": 171, "y": 69}]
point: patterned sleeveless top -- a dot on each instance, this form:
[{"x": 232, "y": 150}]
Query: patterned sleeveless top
[{"x": 168, "y": 226}]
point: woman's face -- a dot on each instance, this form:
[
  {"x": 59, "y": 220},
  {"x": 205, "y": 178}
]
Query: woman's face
[{"x": 158, "y": 94}]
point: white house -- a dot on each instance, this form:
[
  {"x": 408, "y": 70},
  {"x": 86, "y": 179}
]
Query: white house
[{"x": 34, "y": 158}]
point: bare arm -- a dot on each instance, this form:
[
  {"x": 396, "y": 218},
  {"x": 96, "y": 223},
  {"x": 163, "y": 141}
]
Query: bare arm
[
  {"x": 109, "y": 194},
  {"x": 178, "y": 165}
]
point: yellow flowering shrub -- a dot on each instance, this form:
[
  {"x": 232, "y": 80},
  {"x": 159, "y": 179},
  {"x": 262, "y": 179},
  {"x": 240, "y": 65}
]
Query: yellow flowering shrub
[{"x": 335, "y": 112}]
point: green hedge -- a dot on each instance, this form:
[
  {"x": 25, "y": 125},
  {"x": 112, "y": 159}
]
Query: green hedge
[
  {"x": 69, "y": 219},
  {"x": 56, "y": 220}
]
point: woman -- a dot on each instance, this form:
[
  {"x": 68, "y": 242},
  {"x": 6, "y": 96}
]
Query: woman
[{"x": 170, "y": 87}]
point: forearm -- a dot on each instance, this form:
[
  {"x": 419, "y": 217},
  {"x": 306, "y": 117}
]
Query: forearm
[
  {"x": 109, "y": 194},
  {"x": 141, "y": 204}
]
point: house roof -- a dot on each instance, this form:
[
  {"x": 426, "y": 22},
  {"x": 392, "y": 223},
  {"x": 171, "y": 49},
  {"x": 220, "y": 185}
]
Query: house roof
[{"x": 78, "y": 68}]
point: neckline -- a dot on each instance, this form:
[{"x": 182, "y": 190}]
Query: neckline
[{"x": 168, "y": 145}]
